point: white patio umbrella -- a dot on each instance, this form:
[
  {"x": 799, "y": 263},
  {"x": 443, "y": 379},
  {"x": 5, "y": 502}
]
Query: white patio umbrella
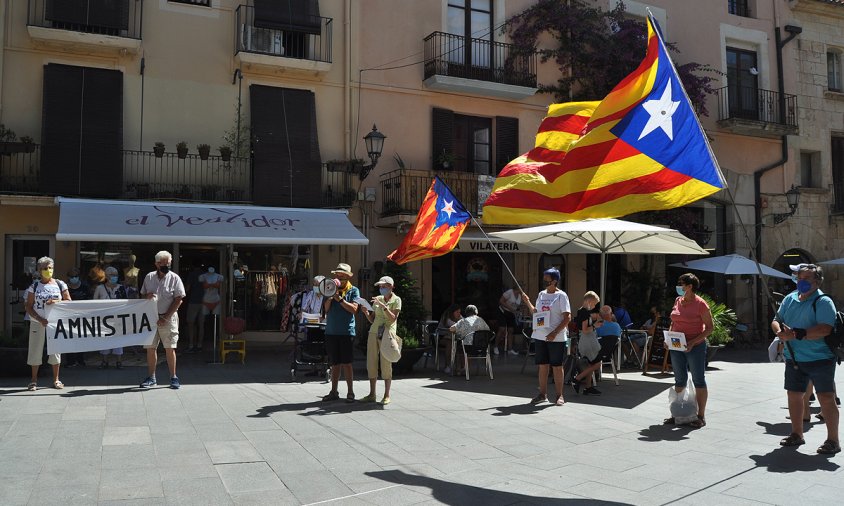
[
  {"x": 731, "y": 264},
  {"x": 604, "y": 236}
]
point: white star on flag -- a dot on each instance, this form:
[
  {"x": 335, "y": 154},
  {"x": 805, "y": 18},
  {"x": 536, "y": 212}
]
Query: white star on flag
[
  {"x": 448, "y": 208},
  {"x": 661, "y": 111}
]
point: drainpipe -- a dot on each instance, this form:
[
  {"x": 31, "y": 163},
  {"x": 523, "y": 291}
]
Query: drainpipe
[{"x": 3, "y": 38}]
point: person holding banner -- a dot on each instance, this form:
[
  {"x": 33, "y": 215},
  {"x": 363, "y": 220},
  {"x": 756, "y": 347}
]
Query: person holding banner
[
  {"x": 691, "y": 316},
  {"x": 386, "y": 308},
  {"x": 111, "y": 290},
  {"x": 166, "y": 288},
  {"x": 43, "y": 293}
]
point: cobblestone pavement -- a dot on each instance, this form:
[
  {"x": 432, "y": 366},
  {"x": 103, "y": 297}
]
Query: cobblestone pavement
[{"x": 239, "y": 434}]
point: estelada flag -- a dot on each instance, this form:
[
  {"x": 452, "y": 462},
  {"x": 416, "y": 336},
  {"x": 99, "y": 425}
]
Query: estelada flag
[
  {"x": 439, "y": 225},
  {"x": 642, "y": 148}
]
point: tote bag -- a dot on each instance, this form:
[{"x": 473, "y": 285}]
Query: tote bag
[{"x": 390, "y": 346}]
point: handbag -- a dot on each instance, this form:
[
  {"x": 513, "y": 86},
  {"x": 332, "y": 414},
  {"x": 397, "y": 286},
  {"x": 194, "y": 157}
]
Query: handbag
[
  {"x": 588, "y": 346},
  {"x": 390, "y": 346}
]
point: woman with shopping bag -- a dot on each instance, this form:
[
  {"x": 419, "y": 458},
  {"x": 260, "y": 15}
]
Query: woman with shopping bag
[
  {"x": 691, "y": 316},
  {"x": 385, "y": 312}
]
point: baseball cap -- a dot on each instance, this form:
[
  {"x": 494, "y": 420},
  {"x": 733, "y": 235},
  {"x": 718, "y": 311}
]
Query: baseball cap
[{"x": 385, "y": 280}]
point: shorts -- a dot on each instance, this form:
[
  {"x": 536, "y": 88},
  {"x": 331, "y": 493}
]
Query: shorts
[
  {"x": 607, "y": 347},
  {"x": 820, "y": 372},
  {"x": 509, "y": 319},
  {"x": 167, "y": 334},
  {"x": 340, "y": 349},
  {"x": 37, "y": 339},
  {"x": 552, "y": 352}
]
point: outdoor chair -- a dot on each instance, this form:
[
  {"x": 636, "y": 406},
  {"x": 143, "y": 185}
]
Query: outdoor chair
[
  {"x": 480, "y": 349},
  {"x": 431, "y": 336}
]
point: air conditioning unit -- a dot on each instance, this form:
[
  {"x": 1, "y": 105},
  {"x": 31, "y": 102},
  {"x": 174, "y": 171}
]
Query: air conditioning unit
[{"x": 261, "y": 40}]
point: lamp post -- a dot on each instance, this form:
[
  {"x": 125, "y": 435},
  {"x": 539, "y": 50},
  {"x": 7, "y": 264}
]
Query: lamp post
[
  {"x": 374, "y": 147},
  {"x": 792, "y": 196}
]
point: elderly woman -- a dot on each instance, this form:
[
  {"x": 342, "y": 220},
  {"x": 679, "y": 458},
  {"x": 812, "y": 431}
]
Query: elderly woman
[
  {"x": 466, "y": 327},
  {"x": 386, "y": 308},
  {"x": 43, "y": 293},
  {"x": 691, "y": 316},
  {"x": 111, "y": 290}
]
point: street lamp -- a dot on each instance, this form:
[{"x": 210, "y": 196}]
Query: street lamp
[
  {"x": 374, "y": 146},
  {"x": 792, "y": 196}
]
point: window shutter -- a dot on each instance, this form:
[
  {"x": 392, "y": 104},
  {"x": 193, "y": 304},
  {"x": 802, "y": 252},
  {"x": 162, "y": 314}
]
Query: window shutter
[
  {"x": 109, "y": 14},
  {"x": 67, "y": 11},
  {"x": 291, "y": 15},
  {"x": 286, "y": 164},
  {"x": 442, "y": 133},
  {"x": 506, "y": 141},
  {"x": 102, "y": 133},
  {"x": 61, "y": 130}
]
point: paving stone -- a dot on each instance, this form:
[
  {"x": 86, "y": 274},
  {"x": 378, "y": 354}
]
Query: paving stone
[
  {"x": 248, "y": 477},
  {"x": 224, "y": 452},
  {"x": 126, "y": 436},
  {"x": 196, "y": 491}
]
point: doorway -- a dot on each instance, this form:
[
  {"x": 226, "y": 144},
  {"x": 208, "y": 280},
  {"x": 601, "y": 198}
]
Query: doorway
[{"x": 22, "y": 252}]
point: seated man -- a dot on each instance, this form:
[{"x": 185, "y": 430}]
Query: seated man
[{"x": 608, "y": 332}]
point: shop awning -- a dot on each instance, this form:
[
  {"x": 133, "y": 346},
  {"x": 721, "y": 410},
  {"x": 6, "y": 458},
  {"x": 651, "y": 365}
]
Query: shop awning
[
  {"x": 126, "y": 221},
  {"x": 475, "y": 242}
]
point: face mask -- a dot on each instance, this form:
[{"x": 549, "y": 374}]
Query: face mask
[
  {"x": 804, "y": 286},
  {"x": 210, "y": 270},
  {"x": 112, "y": 280},
  {"x": 46, "y": 273},
  {"x": 74, "y": 280},
  {"x": 384, "y": 291},
  {"x": 549, "y": 283},
  {"x": 316, "y": 289},
  {"x": 794, "y": 278},
  {"x": 680, "y": 291},
  {"x": 164, "y": 269}
]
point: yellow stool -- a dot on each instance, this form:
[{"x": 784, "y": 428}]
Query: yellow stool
[{"x": 232, "y": 346}]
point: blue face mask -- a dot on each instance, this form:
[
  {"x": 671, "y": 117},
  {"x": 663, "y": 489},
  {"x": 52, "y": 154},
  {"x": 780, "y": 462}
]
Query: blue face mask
[
  {"x": 680, "y": 291},
  {"x": 803, "y": 286},
  {"x": 384, "y": 291},
  {"x": 112, "y": 280}
]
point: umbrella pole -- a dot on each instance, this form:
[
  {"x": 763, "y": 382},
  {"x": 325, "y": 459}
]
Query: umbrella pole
[
  {"x": 477, "y": 224},
  {"x": 603, "y": 275}
]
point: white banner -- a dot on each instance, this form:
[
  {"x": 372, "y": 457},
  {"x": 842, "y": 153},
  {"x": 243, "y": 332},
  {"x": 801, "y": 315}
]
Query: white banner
[{"x": 92, "y": 325}]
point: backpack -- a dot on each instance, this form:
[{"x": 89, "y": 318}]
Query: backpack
[{"x": 835, "y": 340}]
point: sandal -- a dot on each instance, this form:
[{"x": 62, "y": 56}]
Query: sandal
[
  {"x": 32, "y": 387},
  {"x": 539, "y": 398},
  {"x": 58, "y": 385},
  {"x": 697, "y": 424},
  {"x": 668, "y": 421},
  {"x": 829, "y": 447},
  {"x": 793, "y": 440},
  {"x": 819, "y": 416},
  {"x": 560, "y": 401}
]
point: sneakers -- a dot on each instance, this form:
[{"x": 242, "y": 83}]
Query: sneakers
[
  {"x": 149, "y": 382},
  {"x": 591, "y": 391},
  {"x": 539, "y": 398},
  {"x": 495, "y": 350},
  {"x": 575, "y": 383},
  {"x": 368, "y": 398},
  {"x": 513, "y": 352},
  {"x": 175, "y": 384},
  {"x": 332, "y": 396}
]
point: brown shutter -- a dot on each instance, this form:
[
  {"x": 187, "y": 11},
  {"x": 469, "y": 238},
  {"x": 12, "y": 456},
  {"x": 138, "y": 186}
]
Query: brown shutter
[
  {"x": 61, "y": 130},
  {"x": 506, "y": 141},
  {"x": 290, "y": 15},
  {"x": 442, "y": 133},
  {"x": 102, "y": 133},
  {"x": 89, "y": 13},
  {"x": 286, "y": 163}
]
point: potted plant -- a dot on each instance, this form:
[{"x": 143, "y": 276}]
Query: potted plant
[
  {"x": 182, "y": 149},
  {"x": 411, "y": 350},
  {"x": 204, "y": 150},
  {"x": 446, "y": 160},
  {"x": 158, "y": 149},
  {"x": 28, "y": 144},
  {"x": 723, "y": 320},
  {"x": 225, "y": 153}
]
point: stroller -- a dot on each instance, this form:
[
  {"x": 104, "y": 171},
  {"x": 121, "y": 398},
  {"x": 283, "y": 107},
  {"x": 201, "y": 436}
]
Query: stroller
[{"x": 309, "y": 351}]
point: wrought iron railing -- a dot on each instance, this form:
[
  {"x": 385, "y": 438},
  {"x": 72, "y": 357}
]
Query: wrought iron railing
[
  {"x": 340, "y": 186},
  {"x": 746, "y": 102},
  {"x": 20, "y": 167},
  {"x": 402, "y": 190},
  {"x": 481, "y": 59},
  {"x": 305, "y": 38},
  {"x": 169, "y": 177},
  {"x": 119, "y": 18}
]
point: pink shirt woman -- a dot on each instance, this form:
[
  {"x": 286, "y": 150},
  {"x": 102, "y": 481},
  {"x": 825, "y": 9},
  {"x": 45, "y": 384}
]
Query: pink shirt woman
[{"x": 689, "y": 317}]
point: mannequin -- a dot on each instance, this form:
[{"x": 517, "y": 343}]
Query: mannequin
[
  {"x": 130, "y": 278},
  {"x": 211, "y": 282}
]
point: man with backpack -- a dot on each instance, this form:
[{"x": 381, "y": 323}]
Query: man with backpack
[{"x": 804, "y": 320}]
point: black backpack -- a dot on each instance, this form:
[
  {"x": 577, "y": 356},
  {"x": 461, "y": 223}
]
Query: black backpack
[{"x": 835, "y": 340}]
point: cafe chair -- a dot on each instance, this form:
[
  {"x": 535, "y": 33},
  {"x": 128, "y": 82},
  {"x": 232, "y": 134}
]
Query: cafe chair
[
  {"x": 613, "y": 361},
  {"x": 432, "y": 337},
  {"x": 480, "y": 349}
]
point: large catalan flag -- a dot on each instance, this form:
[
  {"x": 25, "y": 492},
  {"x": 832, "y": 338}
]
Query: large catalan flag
[
  {"x": 439, "y": 225},
  {"x": 641, "y": 148}
]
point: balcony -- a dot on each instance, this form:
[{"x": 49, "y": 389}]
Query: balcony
[
  {"x": 402, "y": 192},
  {"x": 20, "y": 166},
  {"x": 479, "y": 66},
  {"x": 148, "y": 177},
  {"x": 760, "y": 113},
  {"x": 297, "y": 42},
  {"x": 110, "y": 26}
]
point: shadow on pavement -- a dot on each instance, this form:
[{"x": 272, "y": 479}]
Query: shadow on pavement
[
  {"x": 447, "y": 492},
  {"x": 784, "y": 428},
  {"x": 318, "y": 408},
  {"x": 663, "y": 432},
  {"x": 104, "y": 391},
  {"x": 789, "y": 460},
  {"x": 524, "y": 408}
]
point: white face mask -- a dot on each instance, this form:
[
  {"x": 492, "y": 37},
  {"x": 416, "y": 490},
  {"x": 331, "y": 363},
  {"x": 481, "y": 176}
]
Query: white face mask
[{"x": 210, "y": 270}]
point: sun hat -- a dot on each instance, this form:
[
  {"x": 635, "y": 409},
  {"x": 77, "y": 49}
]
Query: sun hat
[
  {"x": 385, "y": 280},
  {"x": 343, "y": 268}
]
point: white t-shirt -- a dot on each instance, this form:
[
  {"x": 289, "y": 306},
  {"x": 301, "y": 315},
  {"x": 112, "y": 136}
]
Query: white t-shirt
[
  {"x": 43, "y": 293},
  {"x": 556, "y": 303},
  {"x": 212, "y": 293},
  {"x": 512, "y": 299}
]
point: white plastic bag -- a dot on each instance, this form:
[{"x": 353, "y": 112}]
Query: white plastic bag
[
  {"x": 390, "y": 346},
  {"x": 683, "y": 405},
  {"x": 588, "y": 345},
  {"x": 775, "y": 351}
]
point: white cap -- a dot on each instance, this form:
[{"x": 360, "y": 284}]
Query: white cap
[
  {"x": 385, "y": 280},
  {"x": 797, "y": 267}
]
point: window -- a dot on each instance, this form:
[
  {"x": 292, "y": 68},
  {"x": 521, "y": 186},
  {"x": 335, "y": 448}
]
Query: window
[
  {"x": 838, "y": 172},
  {"x": 810, "y": 176},
  {"x": 466, "y": 142},
  {"x": 738, "y": 7},
  {"x": 833, "y": 70},
  {"x": 742, "y": 83},
  {"x": 471, "y": 19}
]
